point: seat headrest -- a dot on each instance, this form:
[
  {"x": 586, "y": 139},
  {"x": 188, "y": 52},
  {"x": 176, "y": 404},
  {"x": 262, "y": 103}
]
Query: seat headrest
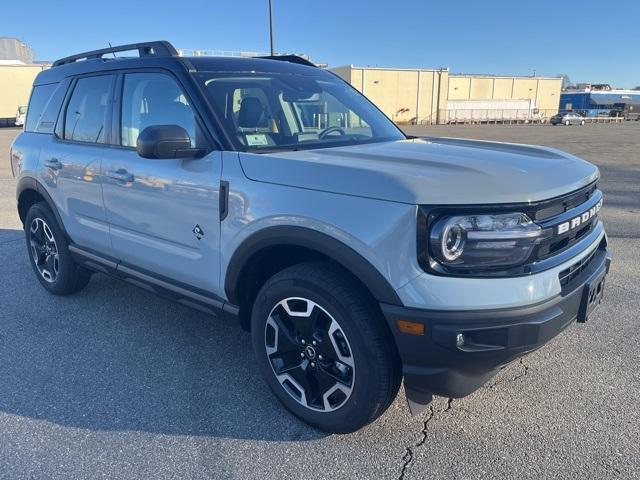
[
  {"x": 251, "y": 113},
  {"x": 160, "y": 94}
]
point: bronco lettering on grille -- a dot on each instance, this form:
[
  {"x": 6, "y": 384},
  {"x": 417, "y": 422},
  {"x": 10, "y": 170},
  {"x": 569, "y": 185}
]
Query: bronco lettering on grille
[{"x": 579, "y": 220}]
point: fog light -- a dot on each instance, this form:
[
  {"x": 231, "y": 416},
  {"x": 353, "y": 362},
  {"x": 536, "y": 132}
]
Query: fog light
[{"x": 459, "y": 340}]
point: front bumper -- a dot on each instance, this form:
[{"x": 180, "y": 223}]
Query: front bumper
[{"x": 435, "y": 363}]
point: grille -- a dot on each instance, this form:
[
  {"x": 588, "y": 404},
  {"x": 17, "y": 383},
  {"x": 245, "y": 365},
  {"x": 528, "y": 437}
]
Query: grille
[
  {"x": 565, "y": 203},
  {"x": 556, "y": 245},
  {"x": 565, "y": 211},
  {"x": 574, "y": 270}
]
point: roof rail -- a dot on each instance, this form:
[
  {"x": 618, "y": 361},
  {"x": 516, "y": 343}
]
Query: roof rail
[
  {"x": 159, "y": 48},
  {"x": 290, "y": 59}
]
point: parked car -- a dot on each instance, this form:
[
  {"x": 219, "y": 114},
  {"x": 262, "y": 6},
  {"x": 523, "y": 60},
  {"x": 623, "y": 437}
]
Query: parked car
[
  {"x": 569, "y": 118},
  {"x": 21, "y": 113},
  {"x": 270, "y": 192}
]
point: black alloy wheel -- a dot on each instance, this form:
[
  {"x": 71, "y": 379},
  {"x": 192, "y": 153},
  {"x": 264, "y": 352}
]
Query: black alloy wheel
[{"x": 309, "y": 354}]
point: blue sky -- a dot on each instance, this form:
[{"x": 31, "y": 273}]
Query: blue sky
[{"x": 591, "y": 41}]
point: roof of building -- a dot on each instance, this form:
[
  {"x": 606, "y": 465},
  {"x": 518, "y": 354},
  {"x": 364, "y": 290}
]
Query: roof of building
[
  {"x": 444, "y": 69},
  {"x": 489, "y": 75}
]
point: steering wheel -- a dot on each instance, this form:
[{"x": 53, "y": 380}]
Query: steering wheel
[{"x": 328, "y": 131}]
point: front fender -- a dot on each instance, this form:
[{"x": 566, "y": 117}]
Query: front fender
[{"x": 314, "y": 240}]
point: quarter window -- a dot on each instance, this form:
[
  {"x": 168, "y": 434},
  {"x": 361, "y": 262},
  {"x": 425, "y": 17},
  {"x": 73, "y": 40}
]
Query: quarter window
[
  {"x": 40, "y": 96},
  {"x": 86, "y": 114},
  {"x": 51, "y": 112},
  {"x": 153, "y": 99}
]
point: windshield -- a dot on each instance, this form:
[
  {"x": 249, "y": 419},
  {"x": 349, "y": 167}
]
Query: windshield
[{"x": 273, "y": 112}]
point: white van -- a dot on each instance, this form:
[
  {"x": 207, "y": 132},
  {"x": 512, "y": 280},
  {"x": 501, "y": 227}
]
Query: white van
[{"x": 21, "y": 114}]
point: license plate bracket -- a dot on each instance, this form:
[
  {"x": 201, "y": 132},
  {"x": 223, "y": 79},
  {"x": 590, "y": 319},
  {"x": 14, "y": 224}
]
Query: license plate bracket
[{"x": 591, "y": 297}]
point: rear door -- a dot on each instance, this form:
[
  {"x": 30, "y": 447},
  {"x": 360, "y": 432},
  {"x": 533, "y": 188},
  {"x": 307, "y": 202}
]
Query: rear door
[
  {"x": 70, "y": 163},
  {"x": 163, "y": 215}
]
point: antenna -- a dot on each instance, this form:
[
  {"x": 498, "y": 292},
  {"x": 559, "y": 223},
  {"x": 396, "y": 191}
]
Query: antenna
[
  {"x": 113, "y": 53},
  {"x": 271, "y": 28}
]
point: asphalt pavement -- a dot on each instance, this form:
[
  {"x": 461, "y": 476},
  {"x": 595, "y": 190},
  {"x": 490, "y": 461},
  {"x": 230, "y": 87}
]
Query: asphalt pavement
[{"x": 115, "y": 382}]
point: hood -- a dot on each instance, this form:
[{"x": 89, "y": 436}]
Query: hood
[{"x": 428, "y": 171}]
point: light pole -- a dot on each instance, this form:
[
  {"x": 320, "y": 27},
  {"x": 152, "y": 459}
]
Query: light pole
[{"x": 271, "y": 27}]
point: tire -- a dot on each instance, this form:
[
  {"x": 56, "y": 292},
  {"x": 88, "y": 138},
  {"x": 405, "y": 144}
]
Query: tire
[
  {"x": 567, "y": 123},
  {"x": 581, "y": 122},
  {"x": 319, "y": 302},
  {"x": 49, "y": 253}
]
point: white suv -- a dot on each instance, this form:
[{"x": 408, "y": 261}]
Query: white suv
[{"x": 270, "y": 192}]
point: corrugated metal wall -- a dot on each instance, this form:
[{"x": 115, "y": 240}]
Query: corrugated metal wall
[
  {"x": 405, "y": 96},
  {"x": 421, "y": 96}
]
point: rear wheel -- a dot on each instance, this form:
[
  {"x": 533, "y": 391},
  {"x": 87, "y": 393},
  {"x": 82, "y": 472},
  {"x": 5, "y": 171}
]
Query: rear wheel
[
  {"x": 323, "y": 347},
  {"x": 49, "y": 253}
]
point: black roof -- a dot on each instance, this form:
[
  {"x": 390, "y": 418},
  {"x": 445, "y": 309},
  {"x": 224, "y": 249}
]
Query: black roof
[
  {"x": 250, "y": 64},
  {"x": 97, "y": 61}
]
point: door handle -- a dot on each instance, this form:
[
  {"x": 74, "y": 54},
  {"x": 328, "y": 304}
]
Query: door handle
[
  {"x": 120, "y": 175},
  {"x": 53, "y": 164}
]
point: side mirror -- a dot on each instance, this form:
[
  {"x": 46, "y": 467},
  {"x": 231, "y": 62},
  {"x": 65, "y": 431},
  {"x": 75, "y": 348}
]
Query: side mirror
[{"x": 166, "y": 141}]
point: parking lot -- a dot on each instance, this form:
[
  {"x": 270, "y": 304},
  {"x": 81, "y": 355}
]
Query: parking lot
[{"x": 117, "y": 383}]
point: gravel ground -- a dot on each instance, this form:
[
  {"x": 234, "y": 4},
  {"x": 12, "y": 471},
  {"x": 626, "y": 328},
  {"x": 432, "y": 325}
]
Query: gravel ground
[{"x": 117, "y": 383}]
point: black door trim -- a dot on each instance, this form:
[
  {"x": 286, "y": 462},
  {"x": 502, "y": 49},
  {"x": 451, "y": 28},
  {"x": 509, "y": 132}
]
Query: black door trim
[{"x": 180, "y": 292}]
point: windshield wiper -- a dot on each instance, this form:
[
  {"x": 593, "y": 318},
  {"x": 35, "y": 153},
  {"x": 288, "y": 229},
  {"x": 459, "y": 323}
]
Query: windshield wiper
[
  {"x": 275, "y": 149},
  {"x": 338, "y": 142}
]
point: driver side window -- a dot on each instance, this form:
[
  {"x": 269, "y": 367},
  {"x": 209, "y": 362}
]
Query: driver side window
[{"x": 153, "y": 99}]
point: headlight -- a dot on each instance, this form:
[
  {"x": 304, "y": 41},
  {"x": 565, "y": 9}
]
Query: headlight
[{"x": 483, "y": 241}]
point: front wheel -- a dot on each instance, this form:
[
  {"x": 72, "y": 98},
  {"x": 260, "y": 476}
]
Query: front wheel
[
  {"x": 324, "y": 348},
  {"x": 567, "y": 123}
]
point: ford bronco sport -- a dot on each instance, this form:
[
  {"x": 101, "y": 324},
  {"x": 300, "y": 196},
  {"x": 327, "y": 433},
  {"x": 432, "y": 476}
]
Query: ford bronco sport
[{"x": 269, "y": 191}]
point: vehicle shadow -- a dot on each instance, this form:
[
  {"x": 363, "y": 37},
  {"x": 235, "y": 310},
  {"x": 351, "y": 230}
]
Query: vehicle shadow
[{"x": 117, "y": 358}]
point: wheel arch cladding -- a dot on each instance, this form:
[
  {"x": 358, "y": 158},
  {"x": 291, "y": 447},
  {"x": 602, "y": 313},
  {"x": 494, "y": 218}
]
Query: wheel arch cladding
[
  {"x": 30, "y": 192},
  {"x": 302, "y": 244}
]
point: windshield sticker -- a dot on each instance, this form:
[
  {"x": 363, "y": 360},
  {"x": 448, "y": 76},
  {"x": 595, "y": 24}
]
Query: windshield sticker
[{"x": 256, "y": 139}]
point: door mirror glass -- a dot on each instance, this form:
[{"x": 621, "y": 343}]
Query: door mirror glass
[{"x": 166, "y": 141}]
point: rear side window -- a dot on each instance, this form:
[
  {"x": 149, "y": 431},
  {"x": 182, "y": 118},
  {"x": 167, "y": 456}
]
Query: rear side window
[
  {"x": 40, "y": 97},
  {"x": 86, "y": 114}
]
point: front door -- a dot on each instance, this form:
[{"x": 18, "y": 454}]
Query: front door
[{"x": 163, "y": 215}]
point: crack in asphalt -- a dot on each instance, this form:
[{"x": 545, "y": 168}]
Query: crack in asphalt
[
  {"x": 521, "y": 374},
  {"x": 524, "y": 373},
  {"x": 408, "y": 457}
]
